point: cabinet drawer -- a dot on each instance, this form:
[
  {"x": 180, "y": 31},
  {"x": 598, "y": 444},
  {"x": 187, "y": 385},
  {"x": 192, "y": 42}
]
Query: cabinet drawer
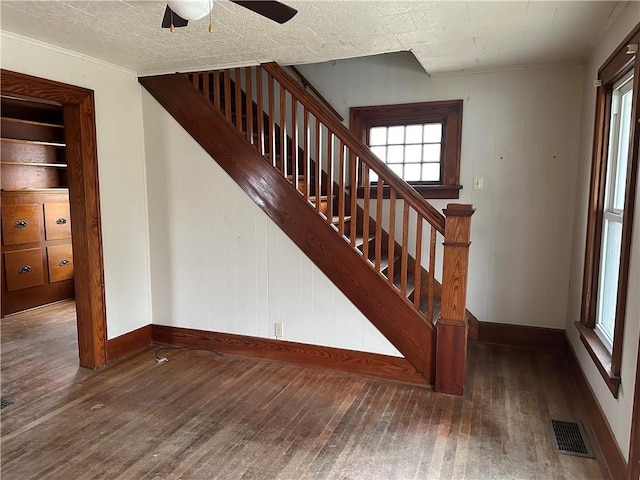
[
  {"x": 21, "y": 223},
  {"x": 57, "y": 221},
  {"x": 23, "y": 269},
  {"x": 60, "y": 260}
]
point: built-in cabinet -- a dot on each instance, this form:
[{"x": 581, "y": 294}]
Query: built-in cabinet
[{"x": 37, "y": 256}]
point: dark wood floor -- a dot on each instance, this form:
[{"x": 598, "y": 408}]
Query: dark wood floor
[{"x": 201, "y": 416}]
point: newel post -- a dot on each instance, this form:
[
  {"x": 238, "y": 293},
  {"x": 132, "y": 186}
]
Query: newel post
[{"x": 451, "y": 349}]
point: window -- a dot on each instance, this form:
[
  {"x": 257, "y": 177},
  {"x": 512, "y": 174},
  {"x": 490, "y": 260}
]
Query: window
[
  {"x": 611, "y": 242},
  {"x": 611, "y": 206},
  {"x": 419, "y": 141}
]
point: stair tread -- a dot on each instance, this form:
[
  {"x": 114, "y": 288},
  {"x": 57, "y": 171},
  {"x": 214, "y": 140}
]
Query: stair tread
[
  {"x": 436, "y": 307},
  {"x": 359, "y": 243},
  {"x": 336, "y": 218}
]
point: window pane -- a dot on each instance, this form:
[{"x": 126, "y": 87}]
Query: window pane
[
  {"x": 396, "y": 135},
  {"x": 433, "y": 133},
  {"x": 623, "y": 150},
  {"x": 430, "y": 172},
  {"x": 381, "y": 152},
  {"x": 396, "y": 168},
  {"x": 412, "y": 172},
  {"x": 395, "y": 154},
  {"x": 378, "y": 136},
  {"x": 431, "y": 153},
  {"x": 373, "y": 176},
  {"x": 608, "y": 284},
  {"x": 414, "y": 134},
  {"x": 413, "y": 153}
]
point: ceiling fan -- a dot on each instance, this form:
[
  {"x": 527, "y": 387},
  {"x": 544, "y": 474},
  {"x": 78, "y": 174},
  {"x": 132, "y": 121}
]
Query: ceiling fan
[{"x": 179, "y": 12}]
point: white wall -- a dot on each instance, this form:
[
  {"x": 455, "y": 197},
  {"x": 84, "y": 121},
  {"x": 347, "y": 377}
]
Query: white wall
[
  {"x": 121, "y": 170},
  {"x": 520, "y": 132},
  {"x": 618, "y": 412},
  {"x": 219, "y": 263}
]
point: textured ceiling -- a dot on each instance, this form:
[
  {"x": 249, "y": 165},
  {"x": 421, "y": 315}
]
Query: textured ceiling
[{"x": 445, "y": 36}]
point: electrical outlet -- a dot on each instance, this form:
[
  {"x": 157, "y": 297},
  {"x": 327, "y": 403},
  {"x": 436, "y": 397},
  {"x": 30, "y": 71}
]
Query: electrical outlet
[{"x": 277, "y": 330}]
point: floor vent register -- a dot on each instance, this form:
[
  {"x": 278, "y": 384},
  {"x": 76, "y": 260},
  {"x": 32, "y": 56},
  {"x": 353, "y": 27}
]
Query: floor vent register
[{"x": 569, "y": 438}]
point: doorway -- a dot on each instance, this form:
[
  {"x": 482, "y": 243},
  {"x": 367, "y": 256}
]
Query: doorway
[{"x": 78, "y": 113}]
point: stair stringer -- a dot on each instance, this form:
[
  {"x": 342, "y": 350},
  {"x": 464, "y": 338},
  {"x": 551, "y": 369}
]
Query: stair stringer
[{"x": 368, "y": 291}]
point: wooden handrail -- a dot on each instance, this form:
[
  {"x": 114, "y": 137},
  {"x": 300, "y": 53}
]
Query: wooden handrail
[
  {"x": 308, "y": 147},
  {"x": 307, "y": 84},
  {"x": 393, "y": 315},
  {"x": 320, "y": 111}
]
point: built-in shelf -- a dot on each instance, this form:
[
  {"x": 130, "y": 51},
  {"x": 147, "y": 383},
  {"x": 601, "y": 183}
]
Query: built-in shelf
[
  {"x": 35, "y": 164},
  {"x": 31, "y": 122},
  {"x": 34, "y": 190},
  {"x": 34, "y": 142}
]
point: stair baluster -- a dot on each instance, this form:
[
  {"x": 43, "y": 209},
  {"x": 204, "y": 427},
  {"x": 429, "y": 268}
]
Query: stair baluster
[{"x": 341, "y": 180}]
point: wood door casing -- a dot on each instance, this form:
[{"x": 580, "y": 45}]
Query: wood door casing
[{"x": 84, "y": 196}]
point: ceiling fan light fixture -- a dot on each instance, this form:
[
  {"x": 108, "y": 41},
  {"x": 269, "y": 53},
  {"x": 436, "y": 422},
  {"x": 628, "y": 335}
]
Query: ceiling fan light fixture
[{"x": 191, "y": 9}]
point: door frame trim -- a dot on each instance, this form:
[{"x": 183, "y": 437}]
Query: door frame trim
[{"x": 84, "y": 198}]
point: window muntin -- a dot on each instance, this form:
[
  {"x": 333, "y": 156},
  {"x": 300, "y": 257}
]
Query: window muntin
[
  {"x": 420, "y": 142},
  {"x": 619, "y": 135},
  {"x": 413, "y": 152}
]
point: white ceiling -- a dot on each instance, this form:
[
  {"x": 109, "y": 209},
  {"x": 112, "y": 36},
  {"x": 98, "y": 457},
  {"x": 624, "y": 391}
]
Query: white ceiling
[{"x": 445, "y": 36}]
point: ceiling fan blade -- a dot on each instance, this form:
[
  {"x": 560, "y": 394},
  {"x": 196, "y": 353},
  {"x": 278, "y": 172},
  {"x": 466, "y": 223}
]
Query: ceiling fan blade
[
  {"x": 178, "y": 21},
  {"x": 276, "y": 11}
]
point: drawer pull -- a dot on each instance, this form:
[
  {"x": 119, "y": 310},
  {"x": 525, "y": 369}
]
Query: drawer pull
[
  {"x": 61, "y": 221},
  {"x": 24, "y": 269},
  {"x": 21, "y": 224},
  {"x": 63, "y": 263}
]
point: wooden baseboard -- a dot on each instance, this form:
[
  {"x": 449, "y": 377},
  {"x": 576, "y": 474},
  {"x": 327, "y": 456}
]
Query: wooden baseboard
[
  {"x": 129, "y": 342},
  {"x": 363, "y": 363},
  {"x": 522, "y": 336},
  {"x": 610, "y": 451},
  {"x": 472, "y": 321}
]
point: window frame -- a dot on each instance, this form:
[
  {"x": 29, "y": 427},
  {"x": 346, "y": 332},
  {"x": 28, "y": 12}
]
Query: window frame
[
  {"x": 446, "y": 112},
  {"x": 616, "y": 67}
]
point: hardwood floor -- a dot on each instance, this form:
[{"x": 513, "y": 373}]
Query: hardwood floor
[{"x": 202, "y": 416}]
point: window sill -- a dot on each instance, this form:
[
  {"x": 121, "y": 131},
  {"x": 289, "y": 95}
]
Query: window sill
[
  {"x": 600, "y": 356},
  {"x": 427, "y": 191}
]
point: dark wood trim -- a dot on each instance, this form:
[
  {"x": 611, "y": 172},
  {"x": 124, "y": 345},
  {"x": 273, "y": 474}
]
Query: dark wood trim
[
  {"x": 617, "y": 65},
  {"x": 474, "y": 325},
  {"x": 351, "y": 361},
  {"x": 427, "y": 191},
  {"x": 451, "y": 355},
  {"x": 613, "y": 457},
  {"x": 596, "y": 202},
  {"x": 600, "y": 356},
  {"x": 411, "y": 265},
  {"x": 627, "y": 222},
  {"x": 447, "y": 112},
  {"x": 84, "y": 197},
  {"x": 634, "y": 445},
  {"x": 356, "y": 147},
  {"x": 128, "y": 342},
  {"x": 619, "y": 61},
  {"x": 391, "y": 314},
  {"x": 521, "y": 336}
]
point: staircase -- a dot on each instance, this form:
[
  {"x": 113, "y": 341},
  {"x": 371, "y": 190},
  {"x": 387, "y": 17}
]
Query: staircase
[{"x": 300, "y": 164}]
